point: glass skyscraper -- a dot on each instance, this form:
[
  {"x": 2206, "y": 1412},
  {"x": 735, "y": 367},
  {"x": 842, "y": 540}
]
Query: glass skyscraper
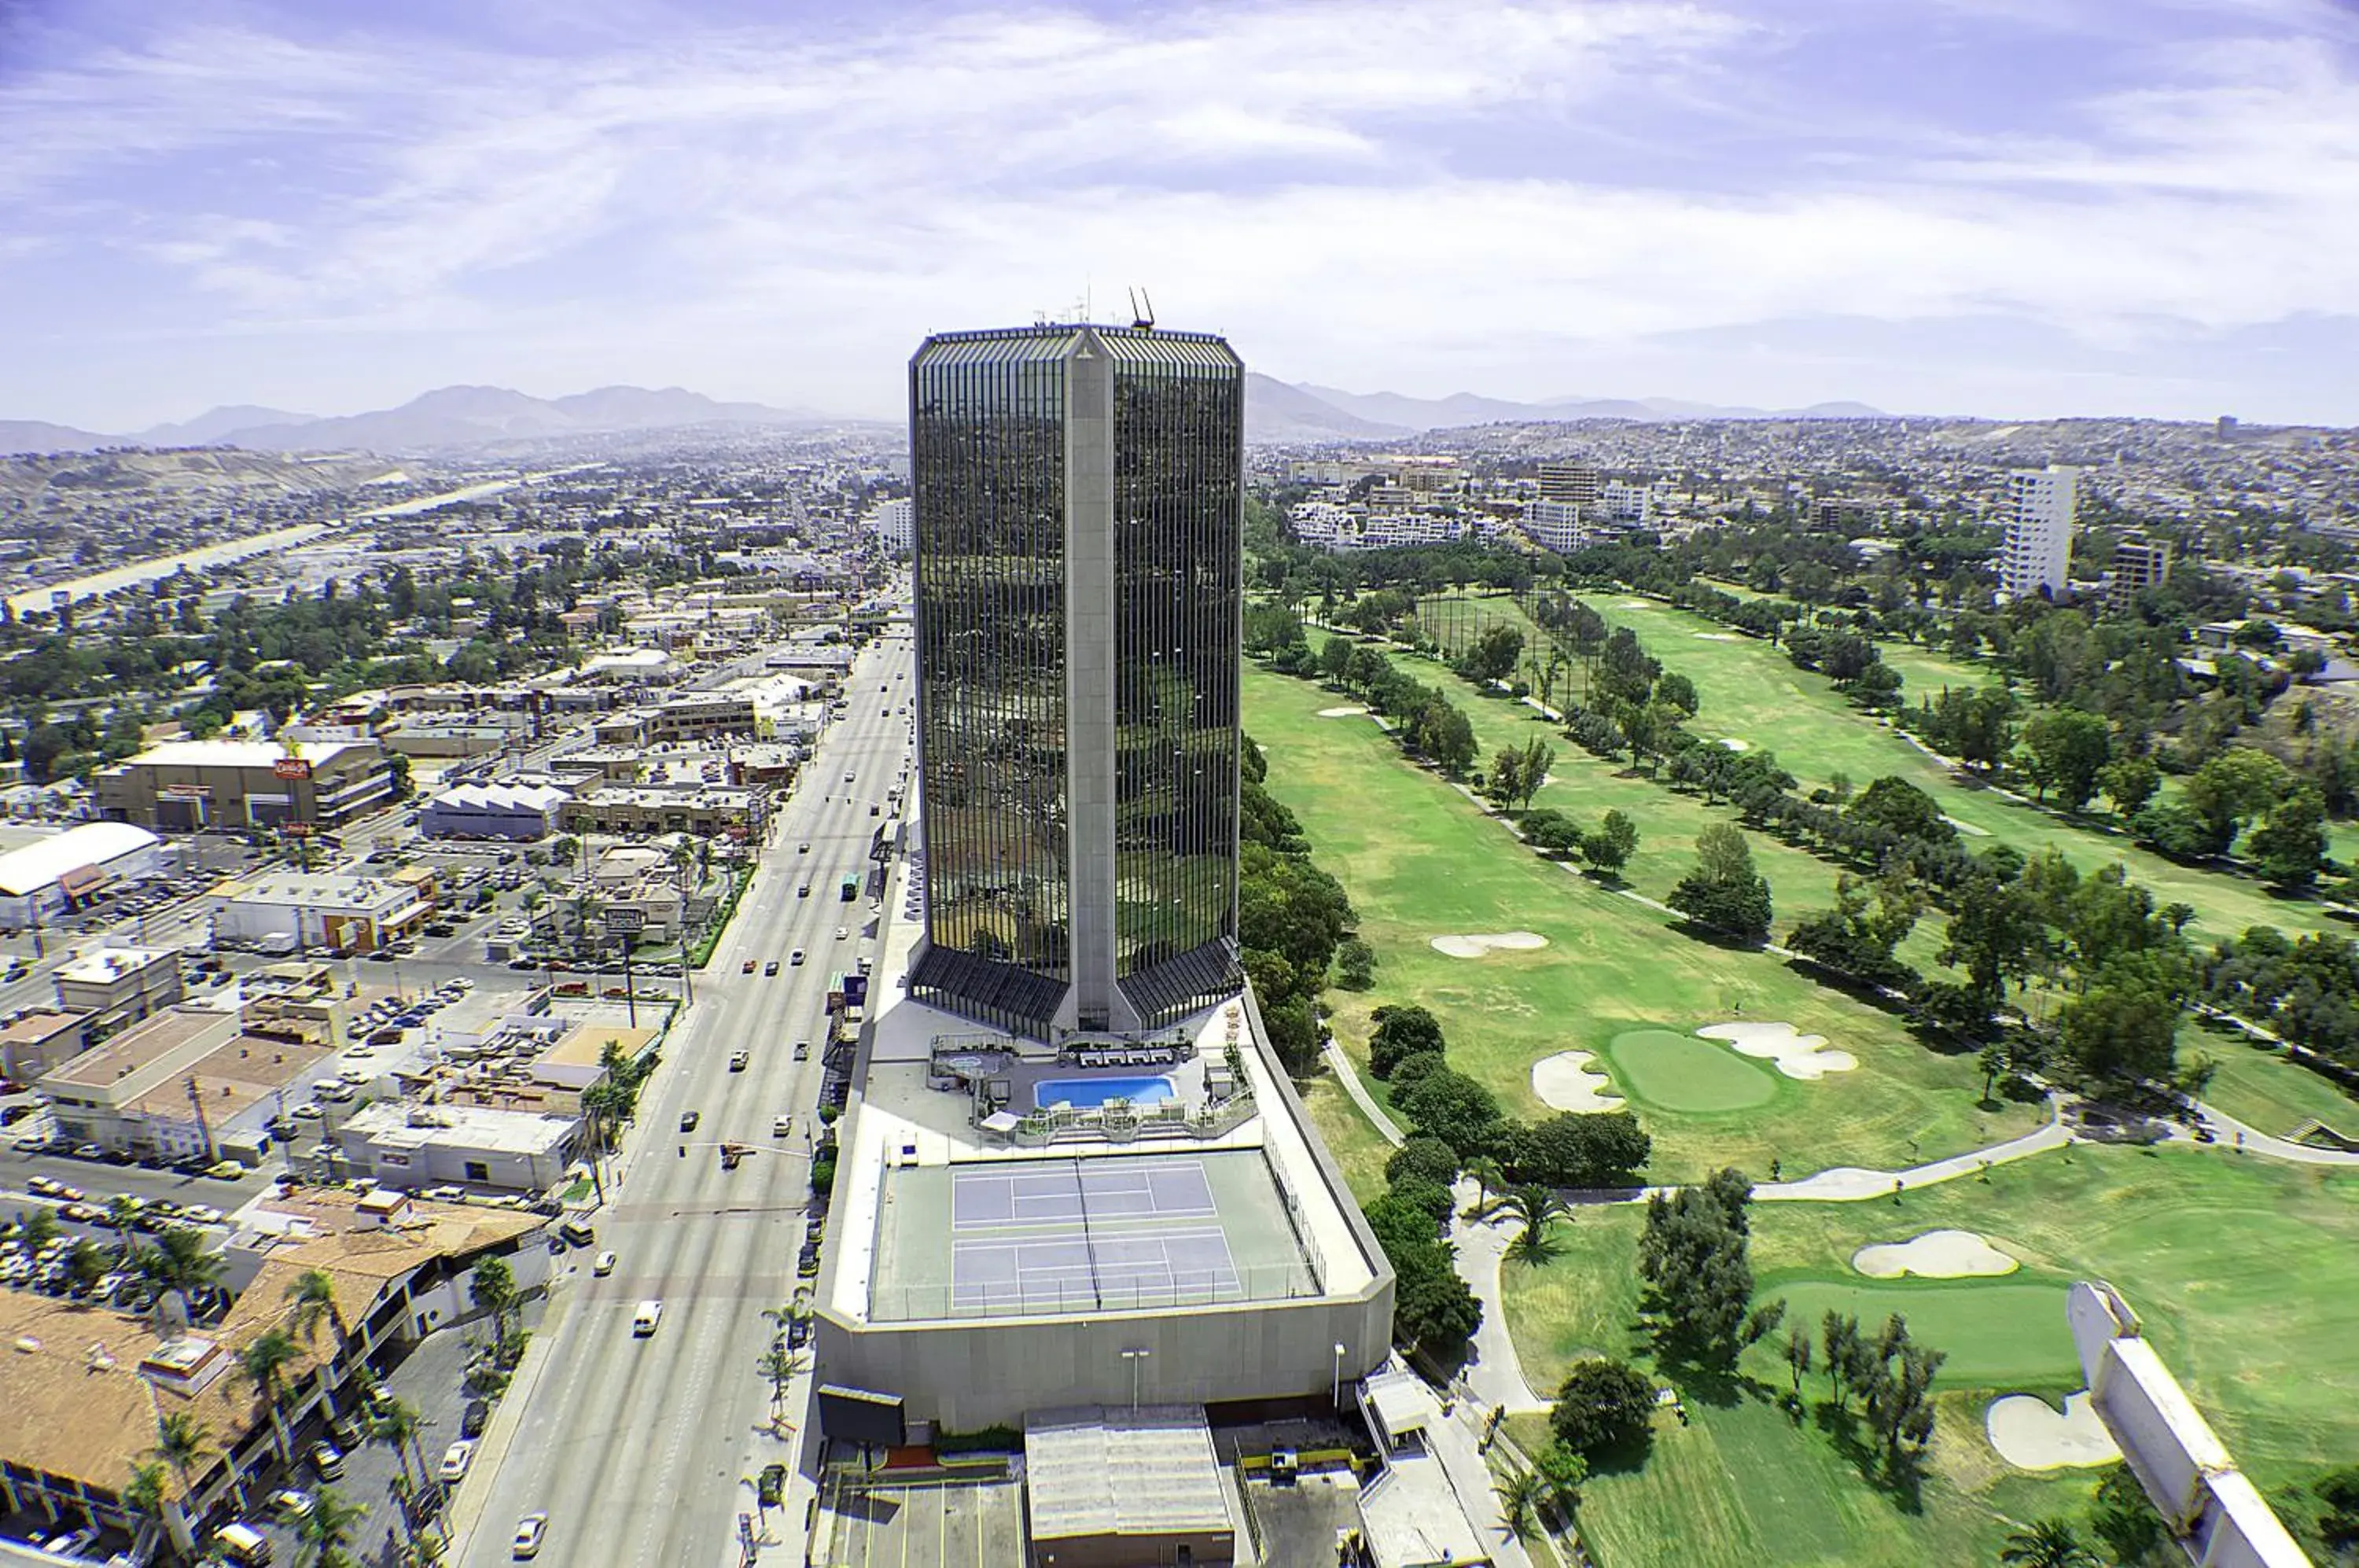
[{"x": 1078, "y": 531}]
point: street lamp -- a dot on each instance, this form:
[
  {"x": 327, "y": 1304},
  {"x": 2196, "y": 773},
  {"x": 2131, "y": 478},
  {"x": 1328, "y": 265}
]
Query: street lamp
[
  {"x": 1335, "y": 1391},
  {"x": 1135, "y": 1357}
]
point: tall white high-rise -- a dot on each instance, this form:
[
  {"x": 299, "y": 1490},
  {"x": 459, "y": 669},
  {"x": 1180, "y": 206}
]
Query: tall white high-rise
[{"x": 2039, "y": 548}]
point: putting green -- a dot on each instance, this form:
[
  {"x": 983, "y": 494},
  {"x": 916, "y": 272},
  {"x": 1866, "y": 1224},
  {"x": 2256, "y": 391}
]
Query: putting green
[
  {"x": 1681, "y": 1072},
  {"x": 1995, "y": 1335}
]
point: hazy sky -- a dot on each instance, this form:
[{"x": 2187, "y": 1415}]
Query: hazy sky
[{"x": 2012, "y": 207}]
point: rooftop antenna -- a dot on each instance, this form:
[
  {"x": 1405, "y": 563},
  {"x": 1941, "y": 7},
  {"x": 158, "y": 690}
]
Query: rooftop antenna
[{"x": 1142, "y": 311}]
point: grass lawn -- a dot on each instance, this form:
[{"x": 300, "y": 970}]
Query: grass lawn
[
  {"x": 1358, "y": 1148},
  {"x": 2246, "y": 1274},
  {"x": 1420, "y": 861},
  {"x": 1749, "y": 691},
  {"x": 2257, "y": 1085}
]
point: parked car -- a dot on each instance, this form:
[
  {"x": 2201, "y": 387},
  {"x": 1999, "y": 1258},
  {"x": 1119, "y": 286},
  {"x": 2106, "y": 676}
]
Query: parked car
[
  {"x": 474, "y": 1418},
  {"x": 455, "y": 1460},
  {"x": 328, "y": 1460}
]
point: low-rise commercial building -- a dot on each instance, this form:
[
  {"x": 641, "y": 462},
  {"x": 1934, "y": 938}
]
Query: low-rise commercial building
[
  {"x": 184, "y": 785},
  {"x": 519, "y": 813},
  {"x": 118, "y": 986},
  {"x": 42, "y": 881},
  {"x": 37, "y": 1042},
  {"x": 303, "y": 909},
  {"x": 181, "y": 1083},
  {"x": 704, "y": 809},
  {"x": 408, "y": 1145}
]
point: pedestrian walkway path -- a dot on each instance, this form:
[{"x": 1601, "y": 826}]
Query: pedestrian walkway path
[
  {"x": 2229, "y": 1133},
  {"x": 1347, "y": 1075},
  {"x": 1493, "y": 1369}
]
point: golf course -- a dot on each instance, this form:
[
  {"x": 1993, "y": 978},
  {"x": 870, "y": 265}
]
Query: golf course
[{"x": 2245, "y": 1271}]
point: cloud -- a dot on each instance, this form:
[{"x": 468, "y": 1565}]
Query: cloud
[{"x": 1338, "y": 182}]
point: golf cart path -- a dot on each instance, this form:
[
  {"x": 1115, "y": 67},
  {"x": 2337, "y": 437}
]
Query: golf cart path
[{"x": 1347, "y": 1075}]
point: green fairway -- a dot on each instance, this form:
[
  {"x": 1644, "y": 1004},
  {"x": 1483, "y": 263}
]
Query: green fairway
[
  {"x": 1748, "y": 690},
  {"x": 2245, "y": 1272},
  {"x": 1996, "y": 1334},
  {"x": 1680, "y": 1072},
  {"x": 1420, "y": 860}
]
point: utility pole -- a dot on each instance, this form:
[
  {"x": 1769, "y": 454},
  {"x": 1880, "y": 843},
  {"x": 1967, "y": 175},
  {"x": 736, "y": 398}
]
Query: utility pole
[{"x": 204, "y": 1129}]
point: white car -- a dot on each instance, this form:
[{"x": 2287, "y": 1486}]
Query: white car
[
  {"x": 644, "y": 1321},
  {"x": 603, "y": 1265},
  {"x": 291, "y": 1504},
  {"x": 529, "y": 1530},
  {"x": 840, "y": 934},
  {"x": 455, "y": 1460}
]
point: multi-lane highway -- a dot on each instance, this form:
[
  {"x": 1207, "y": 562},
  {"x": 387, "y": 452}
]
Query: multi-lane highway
[{"x": 635, "y": 1447}]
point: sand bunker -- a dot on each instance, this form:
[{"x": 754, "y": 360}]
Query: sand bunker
[
  {"x": 2030, "y": 1435},
  {"x": 1499, "y": 942},
  {"x": 1795, "y": 1054},
  {"x": 1715, "y": 636},
  {"x": 1340, "y": 712},
  {"x": 1733, "y": 743},
  {"x": 1634, "y": 604},
  {"x": 1936, "y": 1255},
  {"x": 1566, "y": 1081}
]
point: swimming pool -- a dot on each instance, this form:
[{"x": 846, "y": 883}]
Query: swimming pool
[{"x": 1089, "y": 1091}]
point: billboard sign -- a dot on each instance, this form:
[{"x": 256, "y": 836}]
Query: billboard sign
[
  {"x": 626, "y": 921},
  {"x": 290, "y": 768},
  {"x": 857, "y": 1415}
]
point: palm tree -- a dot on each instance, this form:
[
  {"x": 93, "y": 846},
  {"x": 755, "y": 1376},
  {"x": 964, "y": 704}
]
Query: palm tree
[
  {"x": 144, "y": 1497},
  {"x": 180, "y": 1260},
  {"x": 492, "y": 1287},
  {"x": 397, "y": 1425},
  {"x": 321, "y": 1535},
  {"x": 181, "y": 1441},
  {"x": 312, "y": 1296},
  {"x": 87, "y": 1264},
  {"x": 1520, "y": 1494},
  {"x": 781, "y": 1366},
  {"x": 1534, "y": 1207},
  {"x": 121, "y": 1210},
  {"x": 1488, "y": 1178},
  {"x": 2047, "y": 1543},
  {"x": 39, "y": 1226},
  {"x": 263, "y": 1362}
]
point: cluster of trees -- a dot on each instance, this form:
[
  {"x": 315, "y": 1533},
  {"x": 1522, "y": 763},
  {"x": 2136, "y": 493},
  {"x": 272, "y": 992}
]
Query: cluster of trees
[
  {"x": 1692, "y": 1256},
  {"x": 2302, "y": 989},
  {"x": 1576, "y": 1149},
  {"x": 1888, "y": 1374},
  {"x": 1607, "y": 847},
  {"x": 1516, "y": 773},
  {"x": 1433, "y": 1309},
  {"x": 1424, "y": 720},
  {"x": 1724, "y": 892},
  {"x": 1293, "y": 919}
]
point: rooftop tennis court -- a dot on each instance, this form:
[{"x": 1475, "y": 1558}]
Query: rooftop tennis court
[{"x": 1083, "y": 1235}]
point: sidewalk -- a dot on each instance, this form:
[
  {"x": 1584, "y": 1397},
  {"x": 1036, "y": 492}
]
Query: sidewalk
[
  {"x": 1493, "y": 1369},
  {"x": 1850, "y": 1184},
  {"x": 507, "y": 1415},
  {"x": 1347, "y": 1075}
]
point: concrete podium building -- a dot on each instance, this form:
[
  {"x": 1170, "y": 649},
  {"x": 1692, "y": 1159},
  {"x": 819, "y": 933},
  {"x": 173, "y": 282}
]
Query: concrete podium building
[{"x": 1078, "y": 503}]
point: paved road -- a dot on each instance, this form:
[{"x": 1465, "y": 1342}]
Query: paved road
[{"x": 634, "y": 1446}]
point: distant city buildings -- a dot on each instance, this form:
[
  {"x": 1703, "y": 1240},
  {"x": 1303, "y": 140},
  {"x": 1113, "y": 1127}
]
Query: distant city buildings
[
  {"x": 892, "y": 522},
  {"x": 1572, "y": 484},
  {"x": 2038, "y": 551}
]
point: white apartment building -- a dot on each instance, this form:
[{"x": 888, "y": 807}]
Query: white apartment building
[
  {"x": 2039, "y": 548},
  {"x": 890, "y": 522}
]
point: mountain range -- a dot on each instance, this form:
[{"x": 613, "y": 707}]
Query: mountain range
[
  {"x": 448, "y": 416},
  {"x": 1280, "y": 412},
  {"x": 459, "y": 416}
]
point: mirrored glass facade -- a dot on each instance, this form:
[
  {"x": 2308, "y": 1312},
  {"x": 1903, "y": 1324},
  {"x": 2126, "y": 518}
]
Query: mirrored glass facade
[{"x": 1082, "y": 484}]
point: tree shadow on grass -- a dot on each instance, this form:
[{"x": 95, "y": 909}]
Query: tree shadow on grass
[{"x": 1900, "y": 1481}]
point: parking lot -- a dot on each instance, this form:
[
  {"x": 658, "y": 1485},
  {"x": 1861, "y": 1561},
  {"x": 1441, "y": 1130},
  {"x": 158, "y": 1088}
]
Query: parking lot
[{"x": 933, "y": 1524}]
